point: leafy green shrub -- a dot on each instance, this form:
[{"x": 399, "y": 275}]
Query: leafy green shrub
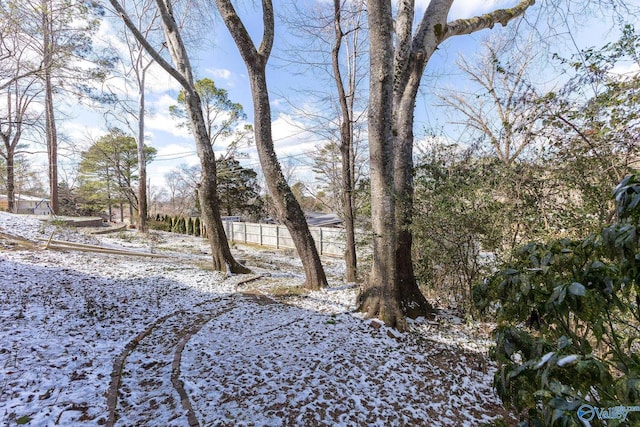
[
  {"x": 179, "y": 225},
  {"x": 569, "y": 323},
  {"x": 196, "y": 227},
  {"x": 457, "y": 219}
]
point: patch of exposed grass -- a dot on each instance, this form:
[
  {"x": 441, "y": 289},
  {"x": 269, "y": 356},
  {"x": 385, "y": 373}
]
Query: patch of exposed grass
[
  {"x": 127, "y": 237},
  {"x": 59, "y": 223},
  {"x": 205, "y": 265},
  {"x": 15, "y": 243},
  {"x": 284, "y": 291}
]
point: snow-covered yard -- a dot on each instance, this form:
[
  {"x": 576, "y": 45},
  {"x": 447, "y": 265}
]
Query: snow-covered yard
[{"x": 101, "y": 339}]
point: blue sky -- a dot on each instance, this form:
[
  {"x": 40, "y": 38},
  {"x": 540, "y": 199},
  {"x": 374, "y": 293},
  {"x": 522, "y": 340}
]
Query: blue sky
[{"x": 218, "y": 59}]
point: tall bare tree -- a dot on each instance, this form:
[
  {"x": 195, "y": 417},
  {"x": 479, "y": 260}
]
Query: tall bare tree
[
  {"x": 20, "y": 88},
  {"x": 16, "y": 60},
  {"x": 505, "y": 108},
  {"x": 58, "y": 33},
  {"x": 141, "y": 62},
  {"x": 346, "y": 98},
  {"x": 398, "y": 57},
  {"x": 182, "y": 72},
  {"x": 49, "y": 48},
  {"x": 17, "y": 116},
  {"x": 337, "y": 39},
  {"x": 136, "y": 67},
  {"x": 287, "y": 207}
]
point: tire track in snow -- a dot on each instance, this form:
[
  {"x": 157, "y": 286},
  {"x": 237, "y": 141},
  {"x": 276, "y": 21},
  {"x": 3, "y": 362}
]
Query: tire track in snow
[{"x": 145, "y": 379}]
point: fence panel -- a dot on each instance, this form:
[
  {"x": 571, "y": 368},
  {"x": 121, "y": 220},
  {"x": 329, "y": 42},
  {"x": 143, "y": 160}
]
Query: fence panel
[{"x": 329, "y": 241}]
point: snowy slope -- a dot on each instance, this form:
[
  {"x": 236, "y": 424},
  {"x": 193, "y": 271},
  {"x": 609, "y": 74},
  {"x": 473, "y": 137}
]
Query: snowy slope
[{"x": 89, "y": 339}]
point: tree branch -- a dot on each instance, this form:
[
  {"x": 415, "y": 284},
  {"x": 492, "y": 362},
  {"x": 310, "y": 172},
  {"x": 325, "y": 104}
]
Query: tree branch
[
  {"x": 268, "y": 34},
  {"x": 239, "y": 32},
  {"x": 147, "y": 46},
  {"x": 488, "y": 20}
]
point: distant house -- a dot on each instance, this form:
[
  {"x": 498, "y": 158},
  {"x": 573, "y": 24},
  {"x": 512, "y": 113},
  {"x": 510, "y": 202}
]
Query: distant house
[
  {"x": 27, "y": 204},
  {"x": 322, "y": 219}
]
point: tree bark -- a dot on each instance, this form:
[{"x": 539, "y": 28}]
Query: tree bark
[
  {"x": 287, "y": 207},
  {"x": 11, "y": 179},
  {"x": 396, "y": 72},
  {"x": 412, "y": 301},
  {"x": 17, "y": 105},
  {"x": 350, "y": 257},
  {"x": 408, "y": 69},
  {"x": 380, "y": 295},
  {"x": 412, "y": 55},
  {"x": 346, "y": 149},
  {"x": 9, "y": 154},
  {"x": 142, "y": 161},
  {"x": 50, "y": 120},
  {"x": 221, "y": 255},
  {"x": 223, "y": 260}
]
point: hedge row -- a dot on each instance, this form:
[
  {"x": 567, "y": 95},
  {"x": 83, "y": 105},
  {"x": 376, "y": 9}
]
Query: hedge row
[{"x": 179, "y": 224}]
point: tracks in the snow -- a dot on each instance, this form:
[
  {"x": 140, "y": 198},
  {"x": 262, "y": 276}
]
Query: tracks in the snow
[{"x": 145, "y": 379}]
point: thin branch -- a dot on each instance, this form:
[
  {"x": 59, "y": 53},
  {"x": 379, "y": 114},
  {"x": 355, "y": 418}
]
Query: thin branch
[{"x": 150, "y": 49}]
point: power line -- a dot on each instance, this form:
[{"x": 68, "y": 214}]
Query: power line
[{"x": 166, "y": 157}]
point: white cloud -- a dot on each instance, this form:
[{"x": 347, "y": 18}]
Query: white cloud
[
  {"x": 626, "y": 70},
  {"x": 81, "y": 134},
  {"x": 290, "y": 137},
  {"x": 220, "y": 74},
  {"x": 168, "y": 158},
  {"x": 159, "y": 118},
  {"x": 159, "y": 81},
  {"x": 278, "y": 102}
]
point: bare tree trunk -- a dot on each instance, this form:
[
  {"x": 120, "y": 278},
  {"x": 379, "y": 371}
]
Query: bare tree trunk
[
  {"x": 287, "y": 207},
  {"x": 142, "y": 161},
  {"x": 221, "y": 255},
  {"x": 346, "y": 149},
  {"x": 412, "y": 301},
  {"x": 18, "y": 100},
  {"x": 207, "y": 192},
  {"x": 350, "y": 257},
  {"x": 132, "y": 219},
  {"x": 223, "y": 260},
  {"x": 397, "y": 66},
  {"x": 379, "y": 297},
  {"x": 11, "y": 180},
  {"x": 50, "y": 120},
  {"x": 9, "y": 156},
  {"x": 412, "y": 55}
]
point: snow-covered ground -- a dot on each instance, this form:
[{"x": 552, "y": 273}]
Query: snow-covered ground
[{"x": 92, "y": 339}]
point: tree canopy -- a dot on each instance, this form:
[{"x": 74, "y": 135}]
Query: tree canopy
[
  {"x": 223, "y": 117},
  {"x": 108, "y": 170}
]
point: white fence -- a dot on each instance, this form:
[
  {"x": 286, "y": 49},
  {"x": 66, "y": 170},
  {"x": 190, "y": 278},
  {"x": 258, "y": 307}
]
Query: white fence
[{"x": 329, "y": 241}]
